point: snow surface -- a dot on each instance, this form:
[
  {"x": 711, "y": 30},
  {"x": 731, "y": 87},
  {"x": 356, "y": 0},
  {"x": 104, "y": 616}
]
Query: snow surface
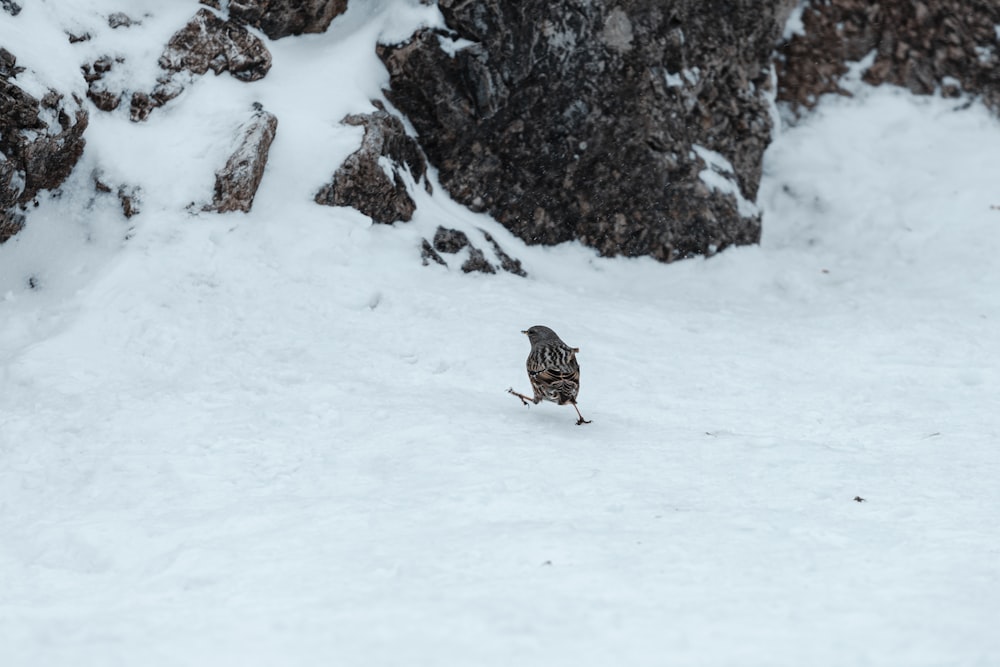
[{"x": 276, "y": 438}]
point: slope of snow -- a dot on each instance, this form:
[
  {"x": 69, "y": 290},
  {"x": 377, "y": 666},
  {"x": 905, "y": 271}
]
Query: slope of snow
[{"x": 276, "y": 438}]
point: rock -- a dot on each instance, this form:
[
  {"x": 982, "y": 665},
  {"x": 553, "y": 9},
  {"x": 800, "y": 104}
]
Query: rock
[
  {"x": 236, "y": 184},
  {"x": 946, "y": 45},
  {"x": 129, "y": 199},
  {"x": 568, "y": 120},
  {"x": 97, "y": 89},
  {"x": 209, "y": 43},
  {"x": 477, "y": 262},
  {"x": 128, "y": 195},
  {"x": 168, "y": 86},
  {"x": 206, "y": 43},
  {"x": 362, "y": 182},
  {"x": 40, "y": 143},
  {"x": 507, "y": 263},
  {"x": 450, "y": 240},
  {"x": 453, "y": 241},
  {"x": 428, "y": 254},
  {"x": 280, "y": 18},
  {"x": 121, "y": 20}
]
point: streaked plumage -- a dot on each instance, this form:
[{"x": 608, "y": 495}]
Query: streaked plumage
[{"x": 553, "y": 370}]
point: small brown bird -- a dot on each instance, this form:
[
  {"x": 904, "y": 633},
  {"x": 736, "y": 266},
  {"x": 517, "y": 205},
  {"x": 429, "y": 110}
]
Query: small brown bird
[{"x": 552, "y": 369}]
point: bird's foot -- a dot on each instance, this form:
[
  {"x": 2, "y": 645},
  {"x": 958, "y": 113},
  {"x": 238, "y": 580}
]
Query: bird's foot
[
  {"x": 524, "y": 399},
  {"x": 581, "y": 420}
]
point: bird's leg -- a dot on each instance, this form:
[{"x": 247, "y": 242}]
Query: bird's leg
[
  {"x": 581, "y": 420},
  {"x": 524, "y": 399}
]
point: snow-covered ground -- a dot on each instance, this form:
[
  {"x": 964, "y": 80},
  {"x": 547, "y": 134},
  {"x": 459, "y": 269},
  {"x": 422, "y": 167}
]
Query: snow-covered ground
[{"x": 277, "y": 439}]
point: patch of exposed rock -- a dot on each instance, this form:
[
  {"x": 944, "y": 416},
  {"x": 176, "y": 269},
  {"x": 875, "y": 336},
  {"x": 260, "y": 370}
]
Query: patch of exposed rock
[
  {"x": 372, "y": 178},
  {"x": 925, "y": 46},
  {"x": 568, "y": 120},
  {"x": 454, "y": 242},
  {"x": 128, "y": 195},
  {"x": 281, "y": 18},
  {"x": 236, "y": 184},
  {"x": 206, "y": 43},
  {"x": 40, "y": 143},
  {"x": 98, "y": 92}
]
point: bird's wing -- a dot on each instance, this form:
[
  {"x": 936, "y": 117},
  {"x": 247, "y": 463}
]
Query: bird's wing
[{"x": 553, "y": 370}]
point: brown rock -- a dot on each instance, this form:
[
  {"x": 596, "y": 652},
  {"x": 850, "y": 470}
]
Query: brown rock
[
  {"x": 919, "y": 45},
  {"x": 236, "y": 184},
  {"x": 209, "y": 43},
  {"x": 280, "y": 18},
  {"x": 362, "y": 183},
  {"x": 40, "y": 143},
  {"x": 205, "y": 43},
  {"x": 97, "y": 90}
]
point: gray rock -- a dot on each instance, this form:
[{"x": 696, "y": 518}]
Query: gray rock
[
  {"x": 428, "y": 254},
  {"x": 925, "y": 46},
  {"x": 362, "y": 183},
  {"x": 236, "y": 184},
  {"x": 121, "y": 20},
  {"x": 568, "y": 120},
  {"x": 452, "y": 241},
  {"x": 507, "y": 263}
]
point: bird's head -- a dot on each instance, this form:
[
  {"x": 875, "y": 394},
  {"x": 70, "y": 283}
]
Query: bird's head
[{"x": 540, "y": 334}]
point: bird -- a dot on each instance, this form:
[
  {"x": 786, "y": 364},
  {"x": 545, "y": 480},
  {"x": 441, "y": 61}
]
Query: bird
[{"x": 553, "y": 370}]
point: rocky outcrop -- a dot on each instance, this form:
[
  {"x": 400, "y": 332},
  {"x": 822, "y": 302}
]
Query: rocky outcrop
[
  {"x": 281, "y": 18},
  {"x": 236, "y": 184},
  {"x": 206, "y": 43},
  {"x": 209, "y": 43},
  {"x": 568, "y": 120},
  {"x": 456, "y": 242},
  {"x": 925, "y": 46},
  {"x": 40, "y": 143},
  {"x": 98, "y": 92},
  {"x": 363, "y": 183}
]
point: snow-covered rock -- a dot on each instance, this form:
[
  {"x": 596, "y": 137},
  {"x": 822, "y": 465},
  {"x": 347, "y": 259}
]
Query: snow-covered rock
[
  {"x": 41, "y": 140},
  {"x": 236, "y": 184},
  {"x": 374, "y": 179}
]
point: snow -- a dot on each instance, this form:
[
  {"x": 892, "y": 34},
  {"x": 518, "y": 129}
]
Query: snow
[
  {"x": 719, "y": 175},
  {"x": 276, "y": 438}
]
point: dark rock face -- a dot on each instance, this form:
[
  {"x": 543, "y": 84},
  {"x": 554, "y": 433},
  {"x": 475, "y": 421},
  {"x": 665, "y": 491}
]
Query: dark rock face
[
  {"x": 926, "y": 45},
  {"x": 362, "y": 183},
  {"x": 40, "y": 143},
  {"x": 236, "y": 184},
  {"x": 280, "y": 18},
  {"x": 568, "y": 120}
]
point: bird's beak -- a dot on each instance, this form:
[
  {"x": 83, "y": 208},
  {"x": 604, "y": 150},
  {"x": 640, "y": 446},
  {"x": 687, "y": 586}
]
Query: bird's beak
[{"x": 525, "y": 333}]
